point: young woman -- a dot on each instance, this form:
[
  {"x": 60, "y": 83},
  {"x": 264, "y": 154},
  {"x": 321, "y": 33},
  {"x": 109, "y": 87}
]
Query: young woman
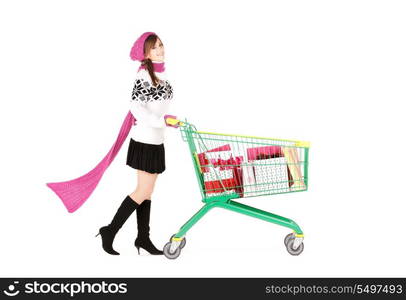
[{"x": 150, "y": 101}]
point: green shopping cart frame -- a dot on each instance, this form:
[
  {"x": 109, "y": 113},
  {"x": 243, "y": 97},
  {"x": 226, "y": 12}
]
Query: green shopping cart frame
[{"x": 285, "y": 170}]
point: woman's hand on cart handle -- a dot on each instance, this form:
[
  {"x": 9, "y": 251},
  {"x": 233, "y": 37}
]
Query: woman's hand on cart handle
[{"x": 172, "y": 121}]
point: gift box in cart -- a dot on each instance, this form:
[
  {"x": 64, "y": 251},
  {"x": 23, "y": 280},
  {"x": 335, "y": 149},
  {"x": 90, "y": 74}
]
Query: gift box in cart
[
  {"x": 221, "y": 170},
  {"x": 271, "y": 168},
  {"x": 229, "y": 167}
]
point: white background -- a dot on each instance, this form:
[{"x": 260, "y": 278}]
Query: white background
[{"x": 330, "y": 72}]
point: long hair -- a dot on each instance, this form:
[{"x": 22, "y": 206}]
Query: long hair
[{"x": 148, "y": 45}]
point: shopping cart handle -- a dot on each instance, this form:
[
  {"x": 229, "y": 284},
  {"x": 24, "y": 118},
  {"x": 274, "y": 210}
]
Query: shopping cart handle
[{"x": 172, "y": 121}]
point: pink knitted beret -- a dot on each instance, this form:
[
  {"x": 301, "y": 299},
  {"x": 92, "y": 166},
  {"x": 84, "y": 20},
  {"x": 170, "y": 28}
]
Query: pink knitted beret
[{"x": 137, "y": 51}]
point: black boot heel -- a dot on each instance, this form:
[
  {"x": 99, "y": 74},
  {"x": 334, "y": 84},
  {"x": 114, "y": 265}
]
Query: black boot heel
[{"x": 147, "y": 246}]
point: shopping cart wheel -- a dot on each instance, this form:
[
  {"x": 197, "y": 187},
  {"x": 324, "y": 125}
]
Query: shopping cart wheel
[
  {"x": 182, "y": 243},
  {"x": 289, "y": 247},
  {"x": 288, "y": 237},
  {"x": 168, "y": 253}
]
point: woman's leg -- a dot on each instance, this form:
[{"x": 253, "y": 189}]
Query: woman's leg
[
  {"x": 145, "y": 186},
  {"x": 142, "y": 195}
]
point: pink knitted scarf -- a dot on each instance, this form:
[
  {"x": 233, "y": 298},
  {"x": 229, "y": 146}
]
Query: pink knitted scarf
[
  {"x": 158, "y": 67},
  {"x": 75, "y": 192}
]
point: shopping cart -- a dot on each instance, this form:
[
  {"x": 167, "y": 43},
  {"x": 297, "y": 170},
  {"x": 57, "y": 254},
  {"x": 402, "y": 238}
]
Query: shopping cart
[{"x": 235, "y": 166}]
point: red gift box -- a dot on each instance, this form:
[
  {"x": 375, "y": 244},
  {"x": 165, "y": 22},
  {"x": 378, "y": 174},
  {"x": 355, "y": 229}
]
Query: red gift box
[
  {"x": 264, "y": 152},
  {"x": 221, "y": 148},
  {"x": 239, "y": 188},
  {"x": 236, "y": 182},
  {"x": 216, "y": 187},
  {"x": 226, "y": 164},
  {"x": 204, "y": 161}
]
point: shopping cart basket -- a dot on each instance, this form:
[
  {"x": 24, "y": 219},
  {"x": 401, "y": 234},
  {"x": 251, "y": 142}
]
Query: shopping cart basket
[{"x": 235, "y": 166}]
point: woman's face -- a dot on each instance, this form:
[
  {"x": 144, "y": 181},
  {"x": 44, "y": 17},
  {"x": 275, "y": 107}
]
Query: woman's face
[{"x": 157, "y": 53}]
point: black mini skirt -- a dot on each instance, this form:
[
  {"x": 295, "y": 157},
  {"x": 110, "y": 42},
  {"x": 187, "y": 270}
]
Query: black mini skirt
[{"x": 146, "y": 157}]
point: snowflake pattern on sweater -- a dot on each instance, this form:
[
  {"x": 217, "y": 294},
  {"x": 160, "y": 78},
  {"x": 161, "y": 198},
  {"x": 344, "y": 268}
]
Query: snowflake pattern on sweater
[
  {"x": 144, "y": 91},
  {"x": 149, "y": 104}
]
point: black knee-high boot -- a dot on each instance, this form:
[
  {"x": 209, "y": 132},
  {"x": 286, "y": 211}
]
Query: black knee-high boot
[
  {"x": 143, "y": 240},
  {"x": 108, "y": 232}
]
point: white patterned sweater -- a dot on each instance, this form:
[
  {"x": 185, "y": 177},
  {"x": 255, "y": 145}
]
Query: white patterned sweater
[{"x": 149, "y": 104}]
